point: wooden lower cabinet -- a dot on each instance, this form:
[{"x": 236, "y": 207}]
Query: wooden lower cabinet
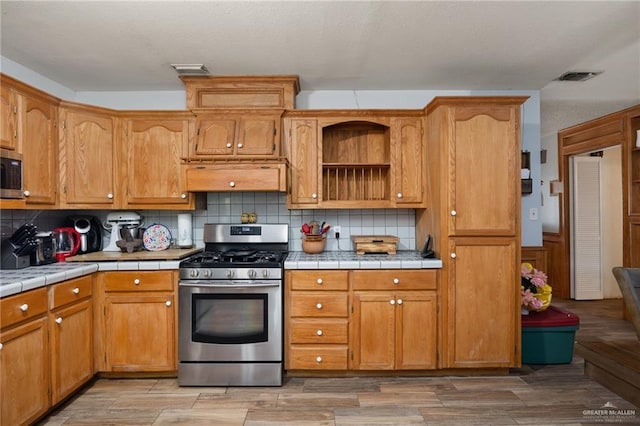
[
  {"x": 24, "y": 358},
  {"x": 393, "y": 329},
  {"x": 316, "y": 308},
  {"x": 361, "y": 320},
  {"x": 70, "y": 336},
  {"x": 138, "y": 321}
]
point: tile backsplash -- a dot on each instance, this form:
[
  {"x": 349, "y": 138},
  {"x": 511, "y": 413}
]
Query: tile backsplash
[{"x": 227, "y": 207}]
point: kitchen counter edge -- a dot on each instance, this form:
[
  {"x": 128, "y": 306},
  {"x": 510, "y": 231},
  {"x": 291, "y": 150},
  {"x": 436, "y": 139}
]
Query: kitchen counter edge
[
  {"x": 350, "y": 260},
  {"x": 15, "y": 281}
]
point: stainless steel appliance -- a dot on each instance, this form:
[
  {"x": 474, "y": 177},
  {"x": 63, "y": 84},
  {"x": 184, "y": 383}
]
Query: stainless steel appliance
[
  {"x": 90, "y": 230},
  {"x": 230, "y": 327},
  {"x": 10, "y": 174},
  {"x": 45, "y": 252}
]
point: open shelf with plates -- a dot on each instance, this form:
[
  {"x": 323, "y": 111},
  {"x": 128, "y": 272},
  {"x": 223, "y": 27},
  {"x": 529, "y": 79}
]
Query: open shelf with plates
[{"x": 356, "y": 162}]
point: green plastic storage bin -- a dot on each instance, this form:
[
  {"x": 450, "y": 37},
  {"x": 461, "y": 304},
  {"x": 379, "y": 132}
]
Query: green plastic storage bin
[{"x": 548, "y": 336}]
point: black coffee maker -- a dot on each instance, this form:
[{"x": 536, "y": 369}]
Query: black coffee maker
[{"x": 90, "y": 230}]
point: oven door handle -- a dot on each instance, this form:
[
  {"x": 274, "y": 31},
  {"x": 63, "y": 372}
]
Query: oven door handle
[{"x": 207, "y": 284}]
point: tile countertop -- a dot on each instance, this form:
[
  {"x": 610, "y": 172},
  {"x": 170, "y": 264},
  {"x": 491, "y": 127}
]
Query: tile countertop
[
  {"x": 350, "y": 260},
  {"x": 14, "y": 281}
]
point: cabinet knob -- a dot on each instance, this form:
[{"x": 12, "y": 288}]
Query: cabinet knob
[
  {"x": 24, "y": 308},
  {"x": 183, "y": 196},
  {"x": 59, "y": 320},
  {"x": 319, "y": 332},
  {"x": 239, "y": 145},
  {"x": 232, "y": 184},
  {"x": 110, "y": 196},
  {"x": 319, "y": 281},
  {"x": 26, "y": 193},
  {"x": 319, "y": 306},
  {"x": 453, "y": 255},
  {"x": 1, "y": 346},
  {"x": 453, "y": 212},
  {"x": 396, "y": 281},
  {"x": 168, "y": 303},
  {"x": 399, "y": 195},
  {"x": 392, "y": 302},
  {"x": 318, "y": 359},
  {"x": 76, "y": 290},
  {"x": 314, "y": 195},
  {"x": 136, "y": 281},
  {"x": 229, "y": 145},
  {"x": 399, "y": 301}
]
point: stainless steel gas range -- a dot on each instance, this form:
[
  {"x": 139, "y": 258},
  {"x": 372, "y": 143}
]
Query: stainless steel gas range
[{"x": 230, "y": 326}]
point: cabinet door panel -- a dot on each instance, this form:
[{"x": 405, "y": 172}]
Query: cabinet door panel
[
  {"x": 155, "y": 173},
  {"x": 485, "y": 197},
  {"x": 303, "y": 156},
  {"x": 88, "y": 173},
  {"x": 257, "y": 136},
  {"x": 9, "y": 116},
  {"x": 40, "y": 151},
  {"x": 483, "y": 303},
  {"x": 372, "y": 332},
  {"x": 216, "y": 137},
  {"x": 24, "y": 382},
  {"x": 71, "y": 348},
  {"x": 140, "y": 333},
  {"x": 416, "y": 330},
  {"x": 408, "y": 169}
]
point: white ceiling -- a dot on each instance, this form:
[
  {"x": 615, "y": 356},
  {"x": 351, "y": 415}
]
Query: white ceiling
[{"x": 129, "y": 45}]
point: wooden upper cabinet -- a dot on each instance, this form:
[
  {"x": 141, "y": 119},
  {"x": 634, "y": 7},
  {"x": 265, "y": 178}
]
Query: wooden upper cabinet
[
  {"x": 254, "y": 134},
  {"x": 408, "y": 164},
  {"x": 10, "y": 112},
  {"x": 88, "y": 157},
  {"x": 40, "y": 150},
  {"x": 155, "y": 144},
  {"x": 301, "y": 140},
  {"x": 484, "y": 199}
]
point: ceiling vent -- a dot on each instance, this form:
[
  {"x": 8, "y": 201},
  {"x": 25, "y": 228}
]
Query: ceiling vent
[
  {"x": 578, "y": 75},
  {"x": 190, "y": 69}
]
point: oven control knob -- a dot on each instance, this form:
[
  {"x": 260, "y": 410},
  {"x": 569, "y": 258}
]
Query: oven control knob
[
  {"x": 206, "y": 273},
  {"x": 265, "y": 273},
  {"x": 252, "y": 273},
  {"x": 229, "y": 274},
  {"x": 193, "y": 273}
]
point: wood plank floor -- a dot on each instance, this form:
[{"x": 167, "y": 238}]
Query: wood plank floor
[{"x": 533, "y": 394}]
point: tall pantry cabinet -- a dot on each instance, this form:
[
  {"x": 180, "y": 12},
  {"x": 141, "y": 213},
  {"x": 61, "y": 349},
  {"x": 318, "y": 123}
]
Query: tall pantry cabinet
[{"x": 473, "y": 162}]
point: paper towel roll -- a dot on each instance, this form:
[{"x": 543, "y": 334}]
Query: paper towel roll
[{"x": 185, "y": 230}]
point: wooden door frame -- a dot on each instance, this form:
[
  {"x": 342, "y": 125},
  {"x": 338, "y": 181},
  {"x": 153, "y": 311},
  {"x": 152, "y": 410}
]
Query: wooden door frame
[{"x": 604, "y": 132}]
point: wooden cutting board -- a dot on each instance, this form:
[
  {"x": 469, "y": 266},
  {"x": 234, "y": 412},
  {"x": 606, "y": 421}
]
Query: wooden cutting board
[{"x": 364, "y": 244}]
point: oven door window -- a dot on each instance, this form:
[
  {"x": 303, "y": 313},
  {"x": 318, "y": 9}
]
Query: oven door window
[{"x": 229, "y": 318}]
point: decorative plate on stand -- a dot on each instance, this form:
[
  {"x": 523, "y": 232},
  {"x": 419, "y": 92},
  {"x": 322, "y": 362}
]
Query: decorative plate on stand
[{"x": 156, "y": 237}]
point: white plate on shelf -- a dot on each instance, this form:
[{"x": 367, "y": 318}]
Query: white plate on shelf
[{"x": 156, "y": 237}]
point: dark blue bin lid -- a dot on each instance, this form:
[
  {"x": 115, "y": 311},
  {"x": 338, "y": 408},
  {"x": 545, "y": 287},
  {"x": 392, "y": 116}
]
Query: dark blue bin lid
[{"x": 551, "y": 317}]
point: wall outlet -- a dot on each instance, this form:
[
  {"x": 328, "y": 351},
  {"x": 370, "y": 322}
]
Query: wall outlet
[
  {"x": 336, "y": 231},
  {"x": 533, "y": 213}
]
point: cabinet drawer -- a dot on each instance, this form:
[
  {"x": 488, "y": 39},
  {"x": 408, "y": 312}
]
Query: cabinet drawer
[
  {"x": 304, "y": 330},
  {"x": 138, "y": 281},
  {"x": 317, "y": 357},
  {"x": 414, "y": 279},
  {"x": 270, "y": 177},
  {"x": 69, "y": 291},
  {"x": 319, "y": 304},
  {"x": 23, "y": 306},
  {"x": 318, "y": 280}
]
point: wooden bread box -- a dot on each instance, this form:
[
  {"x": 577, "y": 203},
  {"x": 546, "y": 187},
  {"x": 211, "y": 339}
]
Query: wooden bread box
[{"x": 364, "y": 244}]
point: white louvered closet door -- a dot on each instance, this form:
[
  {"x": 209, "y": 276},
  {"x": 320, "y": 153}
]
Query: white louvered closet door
[{"x": 586, "y": 229}]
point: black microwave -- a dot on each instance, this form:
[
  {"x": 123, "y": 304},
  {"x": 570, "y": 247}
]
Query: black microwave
[{"x": 10, "y": 174}]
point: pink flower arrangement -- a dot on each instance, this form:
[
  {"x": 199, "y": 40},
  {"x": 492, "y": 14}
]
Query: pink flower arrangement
[{"x": 534, "y": 290}]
